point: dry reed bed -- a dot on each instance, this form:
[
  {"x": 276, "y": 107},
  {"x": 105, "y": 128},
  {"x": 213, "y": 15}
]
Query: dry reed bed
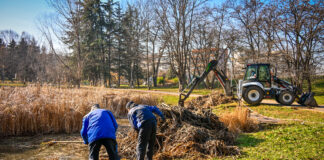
[{"x": 34, "y": 110}]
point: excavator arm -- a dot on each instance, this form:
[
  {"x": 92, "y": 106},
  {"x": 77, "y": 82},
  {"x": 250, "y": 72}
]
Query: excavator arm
[{"x": 224, "y": 81}]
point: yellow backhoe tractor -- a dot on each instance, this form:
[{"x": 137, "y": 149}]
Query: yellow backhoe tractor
[{"x": 258, "y": 84}]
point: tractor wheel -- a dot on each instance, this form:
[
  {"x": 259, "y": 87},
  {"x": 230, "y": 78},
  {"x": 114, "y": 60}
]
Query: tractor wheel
[
  {"x": 277, "y": 99},
  {"x": 286, "y": 97},
  {"x": 253, "y": 95}
]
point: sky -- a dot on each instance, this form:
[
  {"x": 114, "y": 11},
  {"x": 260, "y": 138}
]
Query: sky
[{"x": 22, "y": 15}]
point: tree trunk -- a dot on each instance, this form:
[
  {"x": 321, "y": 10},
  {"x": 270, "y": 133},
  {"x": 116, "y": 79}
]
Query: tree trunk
[
  {"x": 132, "y": 76},
  {"x": 147, "y": 61},
  {"x": 182, "y": 81},
  {"x": 309, "y": 82},
  {"x": 109, "y": 63},
  {"x": 2, "y": 74},
  {"x": 155, "y": 80},
  {"x": 118, "y": 84}
]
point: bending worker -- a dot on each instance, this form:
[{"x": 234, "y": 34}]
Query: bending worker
[
  {"x": 143, "y": 121},
  {"x": 99, "y": 128}
]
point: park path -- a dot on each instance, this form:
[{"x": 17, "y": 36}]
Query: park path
[{"x": 320, "y": 107}]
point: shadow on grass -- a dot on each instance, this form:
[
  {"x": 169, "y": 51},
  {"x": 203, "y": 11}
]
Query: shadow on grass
[{"x": 248, "y": 141}]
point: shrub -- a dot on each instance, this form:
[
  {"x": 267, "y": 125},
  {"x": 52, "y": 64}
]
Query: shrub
[
  {"x": 175, "y": 80},
  {"x": 160, "y": 80}
]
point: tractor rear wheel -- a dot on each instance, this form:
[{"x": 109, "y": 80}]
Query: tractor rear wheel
[
  {"x": 286, "y": 97},
  {"x": 253, "y": 95}
]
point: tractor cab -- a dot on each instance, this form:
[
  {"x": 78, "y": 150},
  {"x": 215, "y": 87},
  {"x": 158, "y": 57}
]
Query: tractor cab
[{"x": 258, "y": 73}]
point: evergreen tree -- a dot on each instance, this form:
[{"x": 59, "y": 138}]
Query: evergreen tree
[
  {"x": 121, "y": 46},
  {"x": 11, "y": 65},
  {"x": 2, "y": 58},
  {"x": 21, "y": 60}
]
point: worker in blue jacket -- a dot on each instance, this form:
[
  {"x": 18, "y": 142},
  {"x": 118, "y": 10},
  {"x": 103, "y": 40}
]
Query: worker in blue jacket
[
  {"x": 143, "y": 121},
  {"x": 99, "y": 128}
]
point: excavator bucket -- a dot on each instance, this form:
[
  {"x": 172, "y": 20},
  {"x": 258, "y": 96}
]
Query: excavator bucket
[{"x": 308, "y": 99}]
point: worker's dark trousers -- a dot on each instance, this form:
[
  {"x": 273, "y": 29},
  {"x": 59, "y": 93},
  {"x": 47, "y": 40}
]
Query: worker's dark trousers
[
  {"x": 111, "y": 147},
  {"x": 146, "y": 140}
]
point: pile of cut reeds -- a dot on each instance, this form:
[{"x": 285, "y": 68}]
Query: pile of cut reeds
[
  {"x": 213, "y": 99},
  {"x": 186, "y": 134}
]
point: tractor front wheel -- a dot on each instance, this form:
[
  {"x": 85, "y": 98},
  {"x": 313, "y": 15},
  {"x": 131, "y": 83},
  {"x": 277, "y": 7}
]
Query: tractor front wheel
[
  {"x": 253, "y": 95},
  {"x": 277, "y": 99},
  {"x": 286, "y": 97}
]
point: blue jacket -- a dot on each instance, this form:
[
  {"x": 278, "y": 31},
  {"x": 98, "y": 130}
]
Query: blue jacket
[
  {"x": 142, "y": 113},
  {"x": 98, "y": 124}
]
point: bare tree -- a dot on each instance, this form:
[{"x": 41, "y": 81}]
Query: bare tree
[
  {"x": 176, "y": 19},
  {"x": 67, "y": 28},
  {"x": 302, "y": 26},
  {"x": 248, "y": 15}
]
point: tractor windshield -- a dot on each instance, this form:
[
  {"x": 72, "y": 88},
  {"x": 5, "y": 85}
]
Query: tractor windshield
[
  {"x": 264, "y": 74},
  {"x": 251, "y": 73}
]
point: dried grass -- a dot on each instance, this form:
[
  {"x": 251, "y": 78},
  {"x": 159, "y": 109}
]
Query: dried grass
[{"x": 239, "y": 121}]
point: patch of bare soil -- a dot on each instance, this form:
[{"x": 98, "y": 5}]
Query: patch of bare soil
[
  {"x": 50, "y": 146},
  {"x": 37, "y": 147}
]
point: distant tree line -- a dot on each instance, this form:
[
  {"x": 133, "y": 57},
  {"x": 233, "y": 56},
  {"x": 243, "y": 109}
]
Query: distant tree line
[
  {"x": 107, "y": 41},
  {"x": 22, "y": 59}
]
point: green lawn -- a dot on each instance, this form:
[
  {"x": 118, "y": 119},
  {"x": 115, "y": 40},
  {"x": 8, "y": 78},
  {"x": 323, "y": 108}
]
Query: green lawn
[
  {"x": 293, "y": 139},
  {"x": 289, "y": 113},
  {"x": 285, "y": 141},
  {"x": 172, "y": 100},
  {"x": 318, "y": 88}
]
